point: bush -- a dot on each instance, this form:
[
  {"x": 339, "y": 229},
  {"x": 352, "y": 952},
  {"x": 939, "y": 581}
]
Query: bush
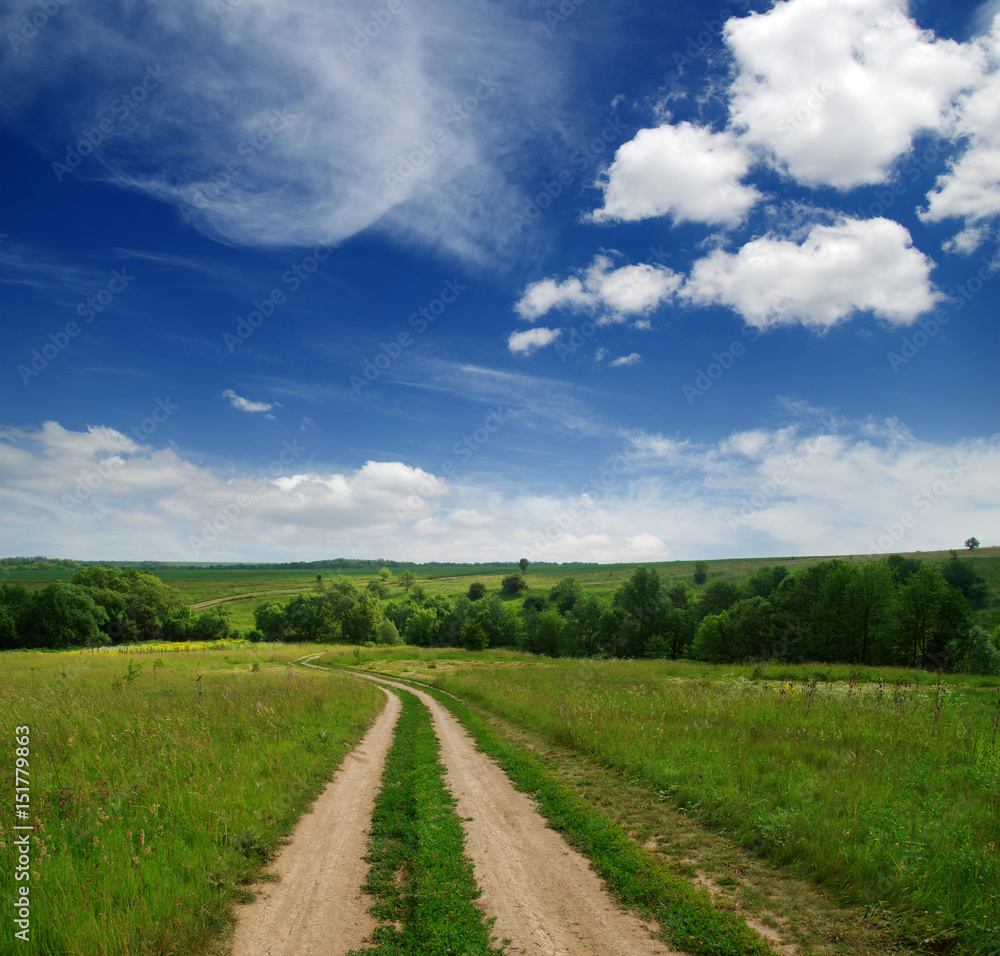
[{"x": 513, "y": 584}]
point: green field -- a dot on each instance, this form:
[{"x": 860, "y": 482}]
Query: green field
[
  {"x": 224, "y": 585},
  {"x": 159, "y": 785},
  {"x": 880, "y": 785}
]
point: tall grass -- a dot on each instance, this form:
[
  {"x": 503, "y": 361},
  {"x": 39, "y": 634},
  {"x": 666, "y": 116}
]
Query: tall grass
[
  {"x": 888, "y": 794},
  {"x": 159, "y": 786}
]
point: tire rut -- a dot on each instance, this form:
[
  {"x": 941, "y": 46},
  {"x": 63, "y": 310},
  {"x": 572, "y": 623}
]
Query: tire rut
[
  {"x": 317, "y": 907},
  {"x": 546, "y": 899}
]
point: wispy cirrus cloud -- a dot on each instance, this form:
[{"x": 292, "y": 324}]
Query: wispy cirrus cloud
[{"x": 274, "y": 124}]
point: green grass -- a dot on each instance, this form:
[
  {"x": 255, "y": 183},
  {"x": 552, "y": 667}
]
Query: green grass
[
  {"x": 160, "y": 785},
  {"x": 686, "y": 915},
  {"x": 420, "y": 877},
  {"x": 888, "y": 795}
]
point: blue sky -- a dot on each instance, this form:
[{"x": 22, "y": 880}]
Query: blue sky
[{"x": 290, "y": 279}]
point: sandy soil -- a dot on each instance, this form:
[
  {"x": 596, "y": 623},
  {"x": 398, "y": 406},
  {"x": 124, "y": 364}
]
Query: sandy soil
[
  {"x": 317, "y": 907},
  {"x": 546, "y": 899}
]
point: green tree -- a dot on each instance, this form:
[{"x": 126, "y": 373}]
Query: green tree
[
  {"x": 962, "y": 575},
  {"x": 582, "y": 625},
  {"x": 476, "y": 591},
  {"x": 513, "y": 584},
  {"x": 645, "y": 610},
  {"x": 271, "y": 621},
  {"x": 930, "y": 615},
  {"x": 499, "y": 620},
  {"x": 359, "y": 624},
  {"x": 972, "y": 543},
  {"x": 713, "y": 640},
  {"x": 406, "y": 581},
  {"x": 547, "y": 634},
  {"x": 564, "y": 595},
  {"x": 384, "y": 574},
  {"x": 752, "y": 623},
  {"x": 523, "y": 564},
  {"x": 62, "y": 615},
  {"x": 474, "y": 637},
  {"x": 764, "y": 581},
  {"x": 717, "y": 597},
  {"x": 386, "y": 633},
  {"x": 422, "y": 627},
  {"x": 700, "y": 572}
]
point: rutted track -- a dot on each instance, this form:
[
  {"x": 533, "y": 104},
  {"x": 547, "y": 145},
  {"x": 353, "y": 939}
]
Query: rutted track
[
  {"x": 544, "y": 896},
  {"x": 317, "y": 907}
]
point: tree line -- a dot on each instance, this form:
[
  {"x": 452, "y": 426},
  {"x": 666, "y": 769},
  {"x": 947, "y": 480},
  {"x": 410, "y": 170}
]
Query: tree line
[{"x": 900, "y": 611}]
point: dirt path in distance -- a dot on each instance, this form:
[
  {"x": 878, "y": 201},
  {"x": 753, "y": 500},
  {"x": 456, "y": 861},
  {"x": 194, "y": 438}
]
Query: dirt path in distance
[
  {"x": 546, "y": 899},
  {"x": 317, "y": 908}
]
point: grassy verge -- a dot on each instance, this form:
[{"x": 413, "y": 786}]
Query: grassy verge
[
  {"x": 688, "y": 919},
  {"x": 886, "y": 795},
  {"x": 160, "y": 786},
  {"x": 420, "y": 877}
]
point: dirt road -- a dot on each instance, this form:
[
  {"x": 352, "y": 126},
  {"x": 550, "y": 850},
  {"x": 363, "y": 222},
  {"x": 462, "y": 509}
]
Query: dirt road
[
  {"x": 546, "y": 899},
  {"x": 317, "y": 907},
  {"x": 544, "y": 896}
]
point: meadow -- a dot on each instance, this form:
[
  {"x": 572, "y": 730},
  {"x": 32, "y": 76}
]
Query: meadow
[
  {"x": 160, "y": 782},
  {"x": 886, "y": 794}
]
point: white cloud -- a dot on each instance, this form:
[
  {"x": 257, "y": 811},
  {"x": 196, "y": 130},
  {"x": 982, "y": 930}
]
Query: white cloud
[
  {"x": 684, "y": 171},
  {"x": 837, "y": 89},
  {"x": 789, "y": 490},
  {"x": 244, "y": 404},
  {"x": 855, "y": 265},
  {"x": 632, "y": 359},
  {"x": 970, "y": 189},
  {"x": 524, "y": 343},
  {"x": 626, "y": 291}
]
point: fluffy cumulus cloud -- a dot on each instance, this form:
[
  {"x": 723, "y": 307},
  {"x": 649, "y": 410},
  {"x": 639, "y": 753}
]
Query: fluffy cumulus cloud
[
  {"x": 600, "y": 288},
  {"x": 274, "y": 122},
  {"x": 970, "y": 189},
  {"x": 852, "y": 266},
  {"x": 632, "y": 358},
  {"x": 524, "y": 343},
  {"x": 835, "y": 90},
  {"x": 683, "y": 171}
]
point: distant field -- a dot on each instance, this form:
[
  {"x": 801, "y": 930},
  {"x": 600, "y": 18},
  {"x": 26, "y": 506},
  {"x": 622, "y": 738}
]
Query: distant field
[{"x": 212, "y": 584}]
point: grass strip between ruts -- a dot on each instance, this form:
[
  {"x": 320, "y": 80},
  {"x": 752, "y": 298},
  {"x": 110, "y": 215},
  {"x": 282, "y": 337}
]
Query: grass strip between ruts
[
  {"x": 420, "y": 876},
  {"x": 686, "y": 916}
]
